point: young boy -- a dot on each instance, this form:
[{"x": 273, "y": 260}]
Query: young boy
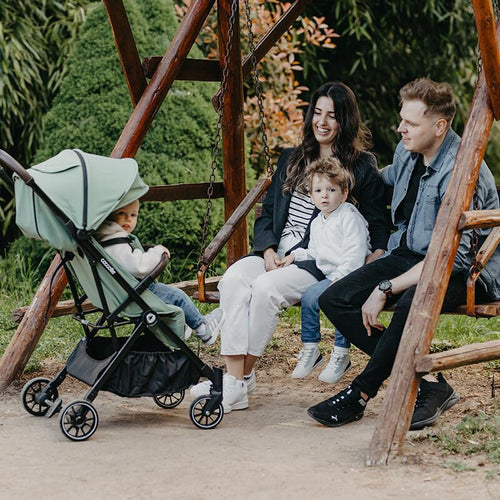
[
  {"x": 339, "y": 243},
  {"x": 139, "y": 263}
]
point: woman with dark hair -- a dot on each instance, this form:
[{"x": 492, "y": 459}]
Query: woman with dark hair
[{"x": 250, "y": 296}]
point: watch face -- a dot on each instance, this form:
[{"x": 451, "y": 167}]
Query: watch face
[{"x": 384, "y": 285}]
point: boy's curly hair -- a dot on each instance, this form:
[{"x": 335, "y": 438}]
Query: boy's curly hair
[{"x": 329, "y": 167}]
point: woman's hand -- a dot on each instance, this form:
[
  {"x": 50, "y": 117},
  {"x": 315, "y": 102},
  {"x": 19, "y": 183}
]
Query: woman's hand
[
  {"x": 371, "y": 309},
  {"x": 286, "y": 261},
  {"x": 272, "y": 259},
  {"x": 374, "y": 255}
]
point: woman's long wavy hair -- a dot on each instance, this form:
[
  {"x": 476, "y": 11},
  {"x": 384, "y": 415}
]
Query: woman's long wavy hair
[{"x": 352, "y": 137}]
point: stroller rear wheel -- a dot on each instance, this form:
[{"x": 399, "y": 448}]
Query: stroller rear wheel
[
  {"x": 203, "y": 418},
  {"x": 169, "y": 400},
  {"x": 78, "y": 420},
  {"x": 30, "y": 396}
]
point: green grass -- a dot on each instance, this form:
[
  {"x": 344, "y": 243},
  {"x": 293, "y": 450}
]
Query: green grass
[{"x": 20, "y": 278}]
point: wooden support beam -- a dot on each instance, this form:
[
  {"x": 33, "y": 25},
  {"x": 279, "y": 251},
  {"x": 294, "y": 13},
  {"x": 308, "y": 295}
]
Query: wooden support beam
[
  {"x": 168, "y": 69},
  {"x": 394, "y": 419},
  {"x": 233, "y": 129},
  {"x": 490, "y": 54},
  {"x": 230, "y": 226},
  {"x": 30, "y": 330},
  {"x": 67, "y": 307},
  {"x": 267, "y": 42},
  {"x": 174, "y": 192},
  {"x": 198, "y": 70},
  {"x": 127, "y": 49},
  {"x": 476, "y": 219},
  {"x": 466, "y": 355}
]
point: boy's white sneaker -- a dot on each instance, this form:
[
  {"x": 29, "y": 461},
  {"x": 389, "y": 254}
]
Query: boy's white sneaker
[
  {"x": 209, "y": 330},
  {"x": 308, "y": 359},
  {"x": 337, "y": 366},
  {"x": 234, "y": 392}
]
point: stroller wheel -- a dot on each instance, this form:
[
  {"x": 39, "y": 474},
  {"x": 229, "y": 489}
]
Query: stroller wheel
[
  {"x": 31, "y": 392},
  {"x": 201, "y": 417},
  {"x": 78, "y": 420},
  {"x": 169, "y": 400}
]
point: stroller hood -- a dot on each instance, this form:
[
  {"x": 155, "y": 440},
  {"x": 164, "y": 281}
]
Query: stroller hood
[{"x": 85, "y": 187}]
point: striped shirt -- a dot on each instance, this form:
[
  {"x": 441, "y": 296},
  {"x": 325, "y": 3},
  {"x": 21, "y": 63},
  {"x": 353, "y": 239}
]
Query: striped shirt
[{"x": 299, "y": 215}]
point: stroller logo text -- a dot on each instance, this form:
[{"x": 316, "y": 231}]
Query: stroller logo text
[{"x": 108, "y": 266}]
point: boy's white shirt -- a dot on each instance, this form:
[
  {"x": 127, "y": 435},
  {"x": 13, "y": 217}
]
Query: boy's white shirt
[
  {"x": 339, "y": 244},
  {"x": 136, "y": 262}
]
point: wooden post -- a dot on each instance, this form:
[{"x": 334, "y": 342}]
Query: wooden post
[
  {"x": 30, "y": 330},
  {"x": 394, "y": 419},
  {"x": 127, "y": 49},
  {"x": 233, "y": 131}
]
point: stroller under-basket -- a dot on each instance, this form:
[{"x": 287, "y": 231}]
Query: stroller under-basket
[{"x": 63, "y": 201}]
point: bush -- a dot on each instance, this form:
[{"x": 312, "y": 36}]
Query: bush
[{"x": 93, "y": 107}]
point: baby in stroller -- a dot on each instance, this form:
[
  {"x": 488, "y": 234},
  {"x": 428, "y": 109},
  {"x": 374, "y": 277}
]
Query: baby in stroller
[{"x": 115, "y": 235}]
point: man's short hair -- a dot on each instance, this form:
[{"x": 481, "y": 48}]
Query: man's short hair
[
  {"x": 331, "y": 168},
  {"x": 438, "y": 97}
]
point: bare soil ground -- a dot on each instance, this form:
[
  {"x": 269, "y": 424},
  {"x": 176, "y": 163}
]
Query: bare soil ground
[{"x": 272, "y": 450}]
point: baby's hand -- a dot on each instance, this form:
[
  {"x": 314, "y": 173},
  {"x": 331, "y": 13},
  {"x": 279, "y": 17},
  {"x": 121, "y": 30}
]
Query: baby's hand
[
  {"x": 165, "y": 249},
  {"x": 286, "y": 261}
]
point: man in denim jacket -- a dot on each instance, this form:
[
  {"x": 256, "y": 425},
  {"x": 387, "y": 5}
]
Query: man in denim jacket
[{"x": 419, "y": 175}]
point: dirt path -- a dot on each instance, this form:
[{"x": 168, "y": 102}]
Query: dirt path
[{"x": 273, "y": 450}]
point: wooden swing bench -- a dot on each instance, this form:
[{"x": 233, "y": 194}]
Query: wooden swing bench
[{"x": 205, "y": 289}]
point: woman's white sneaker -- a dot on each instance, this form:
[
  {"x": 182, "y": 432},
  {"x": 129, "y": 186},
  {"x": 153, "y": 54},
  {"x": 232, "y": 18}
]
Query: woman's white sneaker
[
  {"x": 337, "y": 366},
  {"x": 309, "y": 358},
  {"x": 234, "y": 392}
]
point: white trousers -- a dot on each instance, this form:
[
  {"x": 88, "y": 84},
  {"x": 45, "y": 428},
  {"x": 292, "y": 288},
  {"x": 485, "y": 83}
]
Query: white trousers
[{"x": 253, "y": 300}]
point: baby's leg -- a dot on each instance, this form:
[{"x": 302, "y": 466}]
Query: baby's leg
[{"x": 172, "y": 295}]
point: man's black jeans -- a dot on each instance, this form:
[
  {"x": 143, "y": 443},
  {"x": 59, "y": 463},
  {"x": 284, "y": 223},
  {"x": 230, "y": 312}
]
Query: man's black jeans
[{"x": 342, "y": 304}]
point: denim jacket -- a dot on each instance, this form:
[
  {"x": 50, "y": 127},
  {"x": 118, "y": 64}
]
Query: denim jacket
[{"x": 430, "y": 194}]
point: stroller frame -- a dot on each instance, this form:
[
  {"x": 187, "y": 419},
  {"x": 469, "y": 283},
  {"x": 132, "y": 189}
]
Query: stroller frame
[{"x": 79, "y": 419}]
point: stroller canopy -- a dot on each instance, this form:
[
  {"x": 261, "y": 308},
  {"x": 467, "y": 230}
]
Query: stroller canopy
[{"x": 85, "y": 187}]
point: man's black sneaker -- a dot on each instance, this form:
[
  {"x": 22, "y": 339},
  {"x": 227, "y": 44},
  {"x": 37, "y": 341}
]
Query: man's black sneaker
[
  {"x": 433, "y": 398},
  {"x": 346, "y": 406}
]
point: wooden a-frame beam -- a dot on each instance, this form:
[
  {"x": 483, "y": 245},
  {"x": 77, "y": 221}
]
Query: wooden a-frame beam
[
  {"x": 163, "y": 78},
  {"x": 490, "y": 53},
  {"x": 127, "y": 49}
]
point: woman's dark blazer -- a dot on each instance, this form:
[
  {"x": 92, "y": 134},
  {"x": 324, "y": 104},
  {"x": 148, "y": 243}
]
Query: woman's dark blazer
[{"x": 368, "y": 192}]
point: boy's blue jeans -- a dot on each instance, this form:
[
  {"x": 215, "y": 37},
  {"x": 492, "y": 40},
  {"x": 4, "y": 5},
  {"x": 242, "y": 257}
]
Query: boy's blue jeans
[
  {"x": 172, "y": 295},
  {"x": 310, "y": 315}
]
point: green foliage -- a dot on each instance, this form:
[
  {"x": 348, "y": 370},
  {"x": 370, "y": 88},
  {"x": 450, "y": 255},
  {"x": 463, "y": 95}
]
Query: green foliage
[
  {"x": 35, "y": 38},
  {"x": 93, "y": 106},
  {"x": 385, "y": 44}
]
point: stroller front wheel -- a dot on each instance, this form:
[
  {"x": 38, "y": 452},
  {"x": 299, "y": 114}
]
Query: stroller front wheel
[
  {"x": 203, "y": 418},
  {"x": 78, "y": 420},
  {"x": 169, "y": 400},
  {"x": 31, "y": 396}
]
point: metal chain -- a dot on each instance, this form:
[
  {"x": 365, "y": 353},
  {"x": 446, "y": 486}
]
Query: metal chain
[
  {"x": 215, "y": 153},
  {"x": 258, "y": 89}
]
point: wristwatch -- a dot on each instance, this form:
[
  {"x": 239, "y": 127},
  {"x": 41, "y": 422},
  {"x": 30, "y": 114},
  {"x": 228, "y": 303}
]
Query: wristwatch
[{"x": 386, "y": 287}]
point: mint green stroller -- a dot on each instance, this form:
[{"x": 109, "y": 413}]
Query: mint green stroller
[{"x": 63, "y": 201}]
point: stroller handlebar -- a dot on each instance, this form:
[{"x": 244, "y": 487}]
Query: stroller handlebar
[{"x": 15, "y": 166}]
